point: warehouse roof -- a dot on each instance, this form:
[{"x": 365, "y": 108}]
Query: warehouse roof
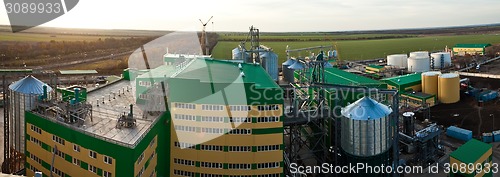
[
  {"x": 418, "y": 95},
  {"x": 337, "y": 76},
  {"x": 471, "y": 151},
  {"x": 404, "y": 79},
  {"x": 472, "y": 45},
  {"x": 69, "y": 72},
  {"x": 217, "y": 71},
  {"x": 159, "y": 72}
]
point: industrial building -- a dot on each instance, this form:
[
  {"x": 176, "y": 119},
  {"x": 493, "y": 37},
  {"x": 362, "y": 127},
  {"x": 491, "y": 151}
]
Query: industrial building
[
  {"x": 470, "y": 49},
  {"x": 409, "y": 82},
  {"x": 473, "y": 152}
]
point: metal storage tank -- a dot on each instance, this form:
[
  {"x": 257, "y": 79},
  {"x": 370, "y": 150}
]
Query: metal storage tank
[
  {"x": 269, "y": 62},
  {"x": 238, "y": 54},
  {"x": 430, "y": 82},
  {"x": 366, "y": 128},
  {"x": 419, "y": 54},
  {"x": 449, "y": 88},
  {"x": 441, "y": 58},
  {"x": 399, "y": 60},
  {"x": 287, "y": 72},
  {"x": 459, "y": 133},
  {"x": 418, "y": 64},
  {"x": 23, "y": 95}
]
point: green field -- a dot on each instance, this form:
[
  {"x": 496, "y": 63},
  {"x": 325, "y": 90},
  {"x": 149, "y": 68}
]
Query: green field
[
  {"x": 308, "y": 36},
  {"x": 43, "y": 37},
  {"x": 367, "y": 49}
]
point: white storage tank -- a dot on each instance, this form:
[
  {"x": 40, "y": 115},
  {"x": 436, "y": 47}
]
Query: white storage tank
[
  {"x": 441, "y": 58},
  {"x": 399, "y": 60},
  {"x": 419, "y": 54},
  {"x": 419, "y": 64}
]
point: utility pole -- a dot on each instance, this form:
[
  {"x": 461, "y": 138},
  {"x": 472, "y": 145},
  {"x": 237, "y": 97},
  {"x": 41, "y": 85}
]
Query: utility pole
[{"x": 204, "y": 38}]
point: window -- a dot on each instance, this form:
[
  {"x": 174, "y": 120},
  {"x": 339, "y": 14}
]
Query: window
[
  {"x": 212, "y": 119},
  {"x": 152, "y": 156},
  {"x": 241, "y": 119},
  {"x": 92, "y": 169},
  {"x": 240, "y": 108},
  {"x": 185, "y": 117},
  {"x": 58, "y": 153},
  {"x": 184, "y": 105},
  {"x": 92, "y": 154},
  {"x": 152, "y": 143},
  {"x": 212, "y": 130},
  {"x": 36, "y": 141},
  {"x": 58, "y": 172},
  {"x": 211, "y": 107},
  {"x": 267, "y": 107},
  {"x": 240, "y": 149},
  {"x": 239, "y": 166},
  {"x": 106, "y": 174},
  {"x": 140, "y": 172},
  {"x": 140, "y": 158},
  {"x": 33, "y": 169},
  {"x": 240, "y": 131},
  {"x": 184, "y": 128},
  {"x": 211, "y": 165},
  {"x": 183, "y": 173},
  {"x": 211, "y": 148},
  {"x": 240, "y": 176},
  {"x": 210, "y": 175},
  {"x": 76, "y": 161},
  {"x": 108, "y": 159},
  {"x": 268, "y": 165},
  {"x": 268, "y": 119},
  {"x": 269, "y": 175},
  {"x": 184, "y": 145},
  {"x": 58, "y": 139},
  {"x": 184, "y": 162},
  {"x": 76, "y": 148},
  {"x": 153, "y": 173},
  {"x": 144, "y": 83},
  {"x": 36, "y": 129},
  {"x": 268, "y": 148}
]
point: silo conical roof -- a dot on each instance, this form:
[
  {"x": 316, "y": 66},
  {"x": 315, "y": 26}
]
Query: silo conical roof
[
  {"x": 296, "y": 66},
  {"x": 366, "y": 109},
  {"x": 289, "y": 62},
  {"x": 29, "y": 85}
]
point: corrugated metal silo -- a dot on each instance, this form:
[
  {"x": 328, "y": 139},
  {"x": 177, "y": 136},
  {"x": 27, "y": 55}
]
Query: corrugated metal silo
[{"x": 287, "y": 72}]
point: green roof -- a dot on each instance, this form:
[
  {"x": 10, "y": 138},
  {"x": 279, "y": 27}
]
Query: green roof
[
  {"x": 404, "y": 79},
  {"x": 471, "y": 45},
  {"x": 471, "y": 151},
  {"x": 217, "y": 71},
  {"x": 337, "y": 76},
  {"x": 159, "y": 72},
  {"x": 375, "y": 66},
  {"x": 420, "y": 95},
  {"x": 69, "y": 72}
]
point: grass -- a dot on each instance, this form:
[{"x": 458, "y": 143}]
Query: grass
[
  {"x": 43, "y": 37},
  {"x": 307, "y": 36},
  {"x": 366, "y": 49}
]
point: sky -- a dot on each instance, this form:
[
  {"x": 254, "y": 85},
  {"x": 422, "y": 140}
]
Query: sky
[{"x": 275, "y": 15}]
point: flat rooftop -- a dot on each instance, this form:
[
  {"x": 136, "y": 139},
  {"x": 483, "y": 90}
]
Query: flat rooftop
[{"x": 105, "y": 116}]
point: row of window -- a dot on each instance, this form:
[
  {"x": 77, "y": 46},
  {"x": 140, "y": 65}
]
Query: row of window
[
  {"x": 185, "y": 117},
  {"x": 184, "y": 128},
  {"x": 241, "y": 119},
  {"x": 184, "y": 162},
  {"x": 185, "y": 105},
  {"x": 143, "y": 96},
  {"x": 36, "y": 159},
  {"x": 217, "y": 165},
  {"x": 212, "y": 119},
  {"x": 240, "y": 132},
  {"x": 268, "y": 119},
  {"x": 212, "y": 130},
  {"x": 240, "y": 108},
  {"x": 36, "y": 129},
  {"x": 58, "y": 172},
  {"x": 36, "y": 141},
  {"x": 268, "y": 165},
  {"x": 144, "y": 83},
  {"x": 192, "y": 174},
  {"x": 275, "y": 147},
  {"x": 141, "y": 172},
  {"x": 243, "y": 166},
  {"x": 58, "y": 139},
  {"x": 267, "y": 107},
  {"x": 33, "y": 169},
  {"x": 212, "y": 107}
]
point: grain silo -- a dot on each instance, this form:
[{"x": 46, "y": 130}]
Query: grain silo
[
  {"x": 419, "y": 64},
  {"x": 287, "y": 72},
  {"x": 269, "y": 62},
  {"x": 366, "y": 133},
  {"x": 430, "y": 82},
  {"x": 239, "y": 54},
  {"x": 449, "y": 88},
  {"x": 23, "y": 96},
  {"x": 440, "y": 59},
  {"x": 399, "y": 60}
]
